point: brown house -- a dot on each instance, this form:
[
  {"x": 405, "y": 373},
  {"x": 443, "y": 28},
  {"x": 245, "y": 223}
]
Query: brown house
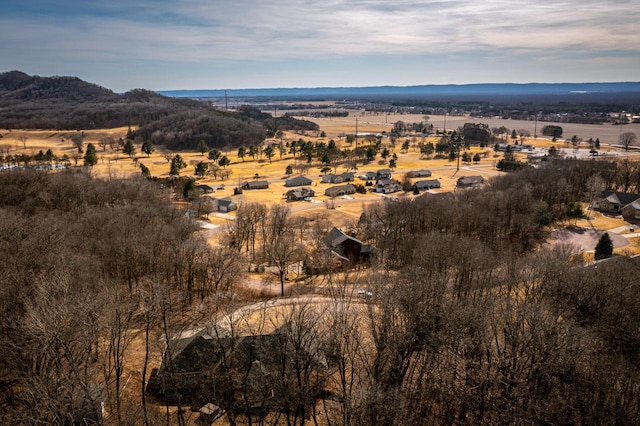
[
  {"x": 340, "y": 190},
  {"x": 613, "y": 202},
  {"x": 631, "y": 212},
  {"x": 255, "y": 184},
  {"x": 470, "y": 182},
  {"x": 348, "y": 247},
  {"x": 299, "y": 194},
  {"x": 246, "y": 374}
]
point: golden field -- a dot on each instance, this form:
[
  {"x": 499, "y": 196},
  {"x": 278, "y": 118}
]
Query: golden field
[{"x": 113, "y": 162}]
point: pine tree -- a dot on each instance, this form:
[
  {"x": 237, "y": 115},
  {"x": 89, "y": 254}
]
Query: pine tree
[
  {"x": 91, "y": 156},
  {"x": 147, "y": 147},
  {"x": 604, "y": 248},
  {"x": 128, "y": 148}
]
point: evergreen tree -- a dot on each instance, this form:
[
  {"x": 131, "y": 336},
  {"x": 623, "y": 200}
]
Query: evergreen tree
[
  {"x": 91, "y": 156},
  {"x": 128, "y": 148},
  {"x": 604, "y": 248},
  {"x": 202, "y": 147},
  {"x": 201, "y": 169},
  {"x": 177, "y": 164},
  {"x": 147, "y": 147},
  {"x": 224, "y": 162}
]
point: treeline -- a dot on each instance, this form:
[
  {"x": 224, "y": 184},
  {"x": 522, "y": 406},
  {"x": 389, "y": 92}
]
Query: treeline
[{"x": 85, "y": 262}]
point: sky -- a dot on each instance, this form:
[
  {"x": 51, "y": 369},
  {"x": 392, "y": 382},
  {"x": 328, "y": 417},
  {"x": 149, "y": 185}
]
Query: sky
[{"x": 236, "y": 44}]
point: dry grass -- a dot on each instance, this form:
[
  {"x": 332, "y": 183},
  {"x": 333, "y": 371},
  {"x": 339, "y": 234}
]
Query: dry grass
[
  {"x": 115, "y": 163},
  {"x": 600, "y": 221}
]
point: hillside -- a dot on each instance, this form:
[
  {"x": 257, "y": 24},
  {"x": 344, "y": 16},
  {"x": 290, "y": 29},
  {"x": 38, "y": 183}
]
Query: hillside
[{"x": 66, "y": 103}]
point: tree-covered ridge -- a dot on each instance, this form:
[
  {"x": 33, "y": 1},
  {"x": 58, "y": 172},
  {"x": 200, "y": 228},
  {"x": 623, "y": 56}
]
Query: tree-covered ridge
[{"x": 62, "y": 103}]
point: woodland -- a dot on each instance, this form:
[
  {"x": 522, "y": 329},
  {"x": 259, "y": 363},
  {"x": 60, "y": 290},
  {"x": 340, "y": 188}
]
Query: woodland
[
  {"x": 465, "y": 314},
  {"x": 472, "y": 317}
]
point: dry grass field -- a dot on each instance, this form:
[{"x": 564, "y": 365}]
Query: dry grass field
[{"x": 112, "y": 162}]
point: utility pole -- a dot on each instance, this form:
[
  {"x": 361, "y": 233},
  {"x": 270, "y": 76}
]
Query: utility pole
[
  {"x": 226, "y": 104},
  {"x": 356, "y": 133}
]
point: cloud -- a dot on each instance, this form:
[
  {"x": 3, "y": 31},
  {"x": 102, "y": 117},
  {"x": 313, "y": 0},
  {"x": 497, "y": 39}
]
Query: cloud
[{"x": 210, "y": 32}]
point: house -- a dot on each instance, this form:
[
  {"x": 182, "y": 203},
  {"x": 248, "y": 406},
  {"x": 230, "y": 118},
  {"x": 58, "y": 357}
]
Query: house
[
  {"x": 246, "y": 373},
  {"x": 383, "y": 174},
  {"x": 205, "y": 189},
  {"x": 299, "y": 194},
  {"x": 470, "y": 182},
  {"x": 226, "y": 204},
  {"x": 347, "y": 246},
  {"x": 255, "y": 184},
  {"x": 342, "y": 177},
  {"x": 631, "y": 212},
  {"x": 424, "y": 185},
  {"x": 298, "y": 181},
  {"x": 419, "y": 173},
  {"x": 387, "y": 186},
  {"x": 340, "y": 190},
  {"x": 613, "y": 201},
  {"x": 368, "y": 176}
]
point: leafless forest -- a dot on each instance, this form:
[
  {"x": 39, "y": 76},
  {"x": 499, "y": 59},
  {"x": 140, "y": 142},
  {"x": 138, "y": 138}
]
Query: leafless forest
[{"x": 471, "y": 317}]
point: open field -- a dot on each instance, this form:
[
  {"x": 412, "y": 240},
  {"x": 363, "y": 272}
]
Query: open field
[{"x": 112, "y": 162}]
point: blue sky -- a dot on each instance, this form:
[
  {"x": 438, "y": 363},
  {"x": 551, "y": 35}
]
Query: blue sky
[{"x": 213, "y": 44}]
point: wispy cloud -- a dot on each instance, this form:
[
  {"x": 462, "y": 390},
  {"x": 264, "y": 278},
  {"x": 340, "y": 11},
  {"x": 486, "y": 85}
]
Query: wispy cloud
[{"x": 205, "y": 31}]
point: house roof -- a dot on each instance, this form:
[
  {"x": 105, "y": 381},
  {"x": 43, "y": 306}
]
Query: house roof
[
  {"x": 298, "y": 181},
  {"x": 256, "y": 184},
  {"x": 385, "y": 182},
  {"x": 384, "y": 171},
  {"x": 622, "y": 198},
  {"x": 427, "y": 183},
  {"x": 470, "y": 180},
  {"x": 301, "y": 192},
  {"x": 635, "y": 205},
  {"x": 200, "y": 351},
  {"x": 348, "y": 188},
  {"x": 226, "y": 201},
  {"x": 337, "y": 236},
  {"x": 421, "y": 172}
]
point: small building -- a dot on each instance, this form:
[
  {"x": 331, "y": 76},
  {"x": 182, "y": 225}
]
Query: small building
[
  {"x": 340, "y": 190},
  {"x": 470, "y": 182},
  {"x": 298, "y": 181},
  {"x": 368, "y": 176},
  {"x": 425, "y": 185},
  {"x": 383, "y": 174},
  {"x": 419, "y": 173},
  {"x": 299, "y": 194},
  {"x": 387, "y": 186},
  {"x": 255, "y": 184},
  {"x": 205, "y": 189},
  {"x": 226, "y": 204},
  {"x": 338, "y": 178}
]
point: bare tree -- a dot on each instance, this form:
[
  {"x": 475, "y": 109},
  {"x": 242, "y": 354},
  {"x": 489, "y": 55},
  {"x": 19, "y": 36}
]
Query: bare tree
[
  {"x": 627, "y": 139},
  {"x": 78, "y": 140}
]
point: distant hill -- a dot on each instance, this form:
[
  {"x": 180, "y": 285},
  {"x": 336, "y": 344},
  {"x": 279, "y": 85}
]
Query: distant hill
[
  {"x": 472, "y": 90},
  {"x": 18, "y": 85},
  {"x": 64, "y": 103}
]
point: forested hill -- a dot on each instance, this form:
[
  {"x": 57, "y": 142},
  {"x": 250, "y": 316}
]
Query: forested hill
[{"x": 64, "y": 103}]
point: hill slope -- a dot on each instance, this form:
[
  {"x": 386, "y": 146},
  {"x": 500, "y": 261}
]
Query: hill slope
[{"x": 63, "y": 103}]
